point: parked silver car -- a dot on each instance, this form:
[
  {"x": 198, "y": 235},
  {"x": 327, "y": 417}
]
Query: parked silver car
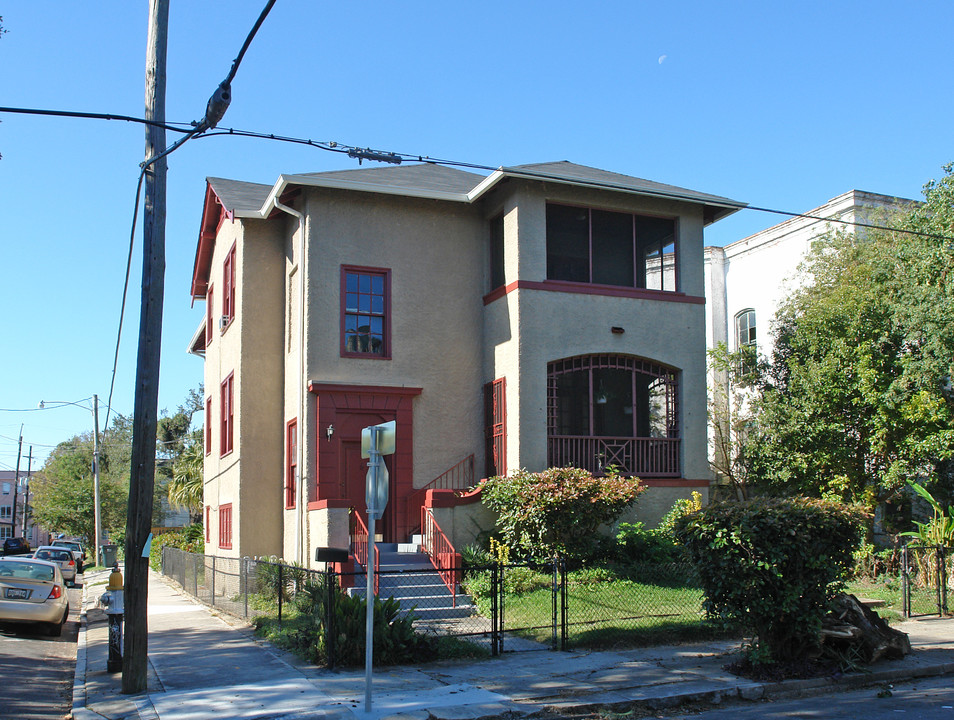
[
  {"x": 33, "y": 591},
  {"x": 61, "y": 556},
  {"x": 78, "y": 552}
]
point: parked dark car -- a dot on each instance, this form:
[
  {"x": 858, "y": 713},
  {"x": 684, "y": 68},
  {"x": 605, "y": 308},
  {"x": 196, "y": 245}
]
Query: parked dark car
[{"x": 15, "y": 546}]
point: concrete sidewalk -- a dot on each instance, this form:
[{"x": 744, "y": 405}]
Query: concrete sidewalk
[{"x": 203, "y": 664}]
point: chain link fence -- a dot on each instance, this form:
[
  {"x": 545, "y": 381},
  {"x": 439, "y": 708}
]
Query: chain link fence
[
  {"x": 500, "y": 608},
  {"x": 926, "y": 571}
]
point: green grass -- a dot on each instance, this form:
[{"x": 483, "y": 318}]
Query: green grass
[{"x": 888, "y": 590}]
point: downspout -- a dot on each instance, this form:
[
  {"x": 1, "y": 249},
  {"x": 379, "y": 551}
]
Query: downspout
[{"x": 302, "y": 470}]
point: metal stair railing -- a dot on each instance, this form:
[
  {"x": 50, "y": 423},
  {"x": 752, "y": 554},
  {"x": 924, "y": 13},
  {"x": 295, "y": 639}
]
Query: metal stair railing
[
  {"x": 360, "y": 542},
  {"x": 459, "y": 477},
  {"x": 440, "y": 550}
]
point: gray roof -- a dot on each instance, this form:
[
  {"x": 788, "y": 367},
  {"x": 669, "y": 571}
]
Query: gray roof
[
  {"x": 430, "y": 180},
  {"x": 238, "y": 197},
  {"x": 567, "y": 172},
  {"x": 423, "y": 177}
]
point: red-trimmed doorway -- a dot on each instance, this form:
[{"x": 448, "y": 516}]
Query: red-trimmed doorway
[{"x": 343, "y": 411}]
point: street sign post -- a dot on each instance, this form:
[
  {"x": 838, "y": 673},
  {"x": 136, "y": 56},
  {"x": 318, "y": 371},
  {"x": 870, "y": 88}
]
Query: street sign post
[{"x": 376, "y": 441}]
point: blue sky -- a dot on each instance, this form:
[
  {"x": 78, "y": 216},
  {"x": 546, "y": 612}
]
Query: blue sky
[{"x": 780, "y": 105}]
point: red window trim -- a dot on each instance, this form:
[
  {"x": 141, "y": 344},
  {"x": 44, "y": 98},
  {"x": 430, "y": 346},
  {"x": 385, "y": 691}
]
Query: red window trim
[
  {"x": 209, "y": 319},
  {"x": 228, "y": 290},
  {"x": 208, "y": 424},
  {"x": 291, "y": 463},
  {"x": 565, "y": 286},
  {"x": 227, "y": 421},
  {"x": 386, "y": 274},
  {"x": 208, "y": 523},
  {"x": 225, "y": 526}
]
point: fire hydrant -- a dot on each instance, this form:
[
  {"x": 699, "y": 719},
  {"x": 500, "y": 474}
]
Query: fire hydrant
[{"x": 112, "y": 601}]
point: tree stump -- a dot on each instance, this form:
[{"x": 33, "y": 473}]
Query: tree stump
[{"x": 852, "y": 625}]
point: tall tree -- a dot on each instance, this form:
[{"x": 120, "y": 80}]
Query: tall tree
[
  {"x": 63, "y": 488},
  {"x": 857, "y": 397}
]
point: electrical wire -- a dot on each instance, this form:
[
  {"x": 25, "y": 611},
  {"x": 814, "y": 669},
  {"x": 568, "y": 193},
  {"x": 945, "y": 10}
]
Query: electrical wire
[
  {"x": 174, "y": 127},
  {"x": 215, "y": 110}
]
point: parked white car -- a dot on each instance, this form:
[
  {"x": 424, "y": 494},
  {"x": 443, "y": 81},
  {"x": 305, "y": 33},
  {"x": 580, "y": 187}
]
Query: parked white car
[{"x": 33, "y": 591}]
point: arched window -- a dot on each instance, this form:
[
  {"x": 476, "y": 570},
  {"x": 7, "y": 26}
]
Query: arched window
[
  {"x": 616, "y": 410},
  {"x": 745, "y": 329},
  {"x": 745, "y": 340}
]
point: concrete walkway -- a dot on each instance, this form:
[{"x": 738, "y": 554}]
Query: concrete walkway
[{"x": 203, "y": 664}]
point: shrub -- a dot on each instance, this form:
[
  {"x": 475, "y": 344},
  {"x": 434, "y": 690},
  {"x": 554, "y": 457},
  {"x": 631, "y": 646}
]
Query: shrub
[
  {"x": 395, "y": 640},
  {"x": 559, "y": 510},
  {"x": 189, "y": 539},
  {"x": 274, "y": 575},
  {"x": 772, "y": 566}
]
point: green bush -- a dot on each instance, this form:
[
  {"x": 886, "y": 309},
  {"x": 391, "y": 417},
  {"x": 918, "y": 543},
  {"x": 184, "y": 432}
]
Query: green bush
[
  {"x": 274, "y": 575},
  {"x": 190, "y": 539},
  {"x": 557, "y": 511},
  {"x": 771, "y": 566},
  {"x": 395, "y": 640}
]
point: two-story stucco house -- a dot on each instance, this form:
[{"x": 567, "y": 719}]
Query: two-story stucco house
[{"x": 541, "y": 315}]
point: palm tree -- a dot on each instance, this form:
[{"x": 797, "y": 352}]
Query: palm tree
[{"x": 185, "y": 487}]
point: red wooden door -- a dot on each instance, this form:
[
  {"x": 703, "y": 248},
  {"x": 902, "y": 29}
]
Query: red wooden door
[{"x": 354, "y": 469}]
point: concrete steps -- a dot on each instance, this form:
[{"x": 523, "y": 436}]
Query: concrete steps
[{"x": 407, "y": 574}]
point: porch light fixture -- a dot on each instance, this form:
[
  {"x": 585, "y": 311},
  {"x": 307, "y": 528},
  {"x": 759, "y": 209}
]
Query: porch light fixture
[{"x": 329, "y": 431}]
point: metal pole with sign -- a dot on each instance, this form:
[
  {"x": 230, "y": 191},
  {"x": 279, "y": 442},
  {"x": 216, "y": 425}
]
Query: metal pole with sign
[{"x": 376, "y": 440}]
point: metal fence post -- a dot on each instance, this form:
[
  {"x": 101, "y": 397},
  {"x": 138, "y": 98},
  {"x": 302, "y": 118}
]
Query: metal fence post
[
  {"x": 905, "y": 584},
  {"x": 943, "y": 583},
  {"x": 212, "y": 598},
  {"x": 244, "y": 577},
  {"x": 494, "y": 610},
  {"x": 564, "y": 606},
  {"x": 281, "y": 591},
  {"x": 330, "y": 615},
  {"x": 554, "y": 612}
]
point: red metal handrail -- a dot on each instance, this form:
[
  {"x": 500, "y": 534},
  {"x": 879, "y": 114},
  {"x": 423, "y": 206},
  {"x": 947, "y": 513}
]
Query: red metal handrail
[
  {"x": 459, "y": 477},
  {"x": 359, "y": 547},
  {"x": 645, "y": 457},
  {"x": 444, "y": 557}
]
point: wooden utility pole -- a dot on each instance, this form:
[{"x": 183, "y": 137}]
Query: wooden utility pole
[
  {"x": 143, "y": 465},
  {"x": 16, "y": 485},
  {"x": 26, "y": 492}
]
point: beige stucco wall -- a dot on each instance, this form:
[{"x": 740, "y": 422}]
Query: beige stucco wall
[
  {"x": 527, "y": 328},
  {"x": 436, "y": 254},
  {"x": 247, "y": 347}
]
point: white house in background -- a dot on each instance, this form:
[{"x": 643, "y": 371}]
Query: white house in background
[{"x": 747, "y": 280}]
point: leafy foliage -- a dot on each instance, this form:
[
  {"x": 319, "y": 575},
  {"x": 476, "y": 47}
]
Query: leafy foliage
[
  {"x": 939, "y": 530},
  {"x": 63, "y": 489},
  {"x": 559, "y": 510},
  {"x": 857, "y": 398},
  {"x": 771, "y": 566},
  {"x": 395, "y": 640},
  {"x": 190, "y": 539}
]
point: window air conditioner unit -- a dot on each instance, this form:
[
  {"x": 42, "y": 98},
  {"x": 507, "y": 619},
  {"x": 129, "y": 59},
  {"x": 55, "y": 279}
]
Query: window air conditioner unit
[{"x": 223, "y": 321}]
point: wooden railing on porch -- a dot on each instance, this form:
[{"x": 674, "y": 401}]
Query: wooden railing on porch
[
  {"x": 444, "y": 557},
  {"x": 360, "y": 546},
  {"x": 459, "y": 477},
  {"x": 645, "y": 457}
]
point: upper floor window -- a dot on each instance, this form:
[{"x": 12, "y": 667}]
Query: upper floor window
[
  {"x": 228, "y": 420},
  {"x": 610, "y": 248},
  {"x": 208, "y": 425},
  {"x": 745, "y": 339},
  {"x": 209, "y": 316},
  {"x": 6, "y": 512},
  {"x": 496, "y": 252},
  {"x": 228, "y": 287},
  {"x": 291, "y": 463},
  {"x": 6, "y": 488},
  {"x": 365, "y": 321}
]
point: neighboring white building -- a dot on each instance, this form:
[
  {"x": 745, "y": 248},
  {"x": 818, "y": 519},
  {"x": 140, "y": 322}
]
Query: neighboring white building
[{"x": 747, "y": 280}]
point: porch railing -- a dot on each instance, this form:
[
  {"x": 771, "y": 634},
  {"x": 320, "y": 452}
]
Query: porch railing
[
  {"x": 645, "y": 457},
  {"x": 459, "y": 477},
  {"x": 445, "y": 558},
  {"x": 360, "y": 545}
]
